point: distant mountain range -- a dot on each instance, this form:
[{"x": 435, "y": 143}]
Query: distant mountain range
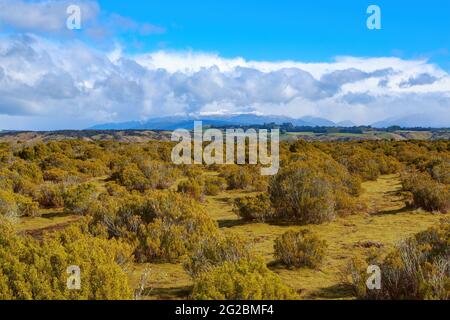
[
  {"x": 187, "y": 122},
  {"x": 416, "y": 121}
]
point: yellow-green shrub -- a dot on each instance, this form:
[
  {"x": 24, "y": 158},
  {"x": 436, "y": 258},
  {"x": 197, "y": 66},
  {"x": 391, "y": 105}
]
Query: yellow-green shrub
[
  {"x": 418, "y": 268},
  {"x": 302, "y": 195},
  {"x": 243, "y": 280},
  {"x": 77, "y": 200},
  {"x": 30, "y": 270},
  {"x": 214, "y": 185},
  {"x": 214, "y": 251},
  {"x": 300, "y": 249},
  {"x": 192, "y": 188},
  {"x": 257, "y": 208}
]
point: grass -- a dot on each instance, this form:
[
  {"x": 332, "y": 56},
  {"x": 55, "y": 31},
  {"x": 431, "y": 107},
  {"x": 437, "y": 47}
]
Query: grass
[
  {"x": 387, "y": 222},
  {"x": 164, "y": 281},
  {"x": 49, "y": 219}
]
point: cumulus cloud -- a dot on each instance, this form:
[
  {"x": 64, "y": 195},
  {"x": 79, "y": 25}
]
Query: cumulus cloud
[
  {"x": 44, "y": 16},
  {"x": 49, "y": 17},
  {"x": 76, "y": 85}
]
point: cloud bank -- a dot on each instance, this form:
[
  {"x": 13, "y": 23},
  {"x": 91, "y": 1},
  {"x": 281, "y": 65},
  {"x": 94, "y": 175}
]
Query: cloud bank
[{"x": 70, "y": 82}]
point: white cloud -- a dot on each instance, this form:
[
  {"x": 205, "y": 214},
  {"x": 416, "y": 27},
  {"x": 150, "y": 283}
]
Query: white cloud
[
  {"x": 71, "y": 84},
  {"x": 44, "y": 16},
  {"x": 49, "y": 17}
]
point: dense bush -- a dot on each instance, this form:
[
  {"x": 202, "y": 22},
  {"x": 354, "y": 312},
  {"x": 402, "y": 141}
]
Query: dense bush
[
  {"x": 432, "y": 196},
  {"x": 302, "y": 195},
  {"x": 418, "y": 268},
  {"x": 244, "y": 178},
  {"x": 243, "y": 280},
  {"x": 257, "y": 208},
  {"x": 77, "y": 200},
  {"x": 8, "y": 205},
  {"x": 191, "y": 188},
  {"x": 51, "y": 195},
  {"x": 15, "y": 205},
  {"x": 178, "y": 225},
  {"x": 427, "y": 193},
  {"x": 300, "y": 249},
  {"x": 215, "y": 251},
  {"x": 33, "y": 270},
  {"x": 161, "y": 226},
  {"x": 441, "y": 172},
  {"x": 214, "y": 185}
]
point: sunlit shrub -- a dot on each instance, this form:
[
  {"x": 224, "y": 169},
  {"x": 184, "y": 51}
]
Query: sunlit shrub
[
  {"x": 214, "y": 185},
  {"x": 214, "y": 251},
  {"x": 441, "y": 172},
  {"x": 191, "y": 188},
  {"x": 418, "y": 268},
  {"x": 15, "y": 205},
  {"x": 302, "y": 195},
  {"x": 300, "y": 249},
  {"x": 38, "y": 271},
  {"x": 257, "y": 208},
  {"x": 243, "y": 280},
  {"x": 78, "y": 199},
  {"x": 51, "y": 195}
]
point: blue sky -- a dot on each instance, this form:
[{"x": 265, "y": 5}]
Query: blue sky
[
  {"x": 136, "y": 60},
  {"x": 292, "y": 29}
]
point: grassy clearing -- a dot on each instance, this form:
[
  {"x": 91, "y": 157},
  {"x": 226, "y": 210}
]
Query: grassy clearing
[
  {"x": 387, "y": 222},
  {"x": 165, "y": 281},
  {"x": 50, "y": 219}
]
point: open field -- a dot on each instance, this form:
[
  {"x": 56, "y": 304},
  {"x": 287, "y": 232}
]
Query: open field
[
  {"x": 162, "y": 229},
  {"x": 387, "y": 223}
]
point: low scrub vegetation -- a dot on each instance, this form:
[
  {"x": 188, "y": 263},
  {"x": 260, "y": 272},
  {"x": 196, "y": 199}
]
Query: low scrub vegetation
[
  {"x": 242, "y": 280},
  {"x": 300, "y": 249},
  {"x": 418, "y": 268},
  {"x": 136, "y": 206},
  {"x": 33, "y": 270}
]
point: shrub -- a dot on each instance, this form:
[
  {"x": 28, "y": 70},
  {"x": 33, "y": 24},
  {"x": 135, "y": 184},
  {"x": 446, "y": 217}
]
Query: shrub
[
  {"x": 8, "y": 205},
  {"x": 26, "y": 206},
  {"x": 37, "y": 271},
  {"x": 214, "y": 251},
  {"x": 178, "y": 224},
  {"x": 214, "y": 185},
  {"x": 243, "y": 280},
  {"x": 132, "y": 178},
  {"x": 257, "y": 208},
  {"x": 92, "y": 168},
  {"x": 78, "y": 199},
  {"x": 431, "y": 196},
  {"x": 51, "y": 195},
  {"x": 240, "y": 177},
  {"x": 302, "y": 195},
  {"x": 441, "y": 172},
  {"x": 115, "y": 190},
  {"x": 191, "y": 188},
  {"x": 162, "y": 226},
  {"x": 300, "y": 249},
  {"x": 410, "y": 180},
  {"x": 418, "y": 268},
  {"x": 15, "y": 205}
]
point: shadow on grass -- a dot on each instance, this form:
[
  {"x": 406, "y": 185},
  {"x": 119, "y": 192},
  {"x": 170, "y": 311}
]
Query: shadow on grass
[
  {"x": 169, "y": 293},
  {"x": 392, "y": 212},
  {"x": 230, "y": 223},
  {"x": 337, "y": 291},
  {"x": 55, "y": 214}
]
